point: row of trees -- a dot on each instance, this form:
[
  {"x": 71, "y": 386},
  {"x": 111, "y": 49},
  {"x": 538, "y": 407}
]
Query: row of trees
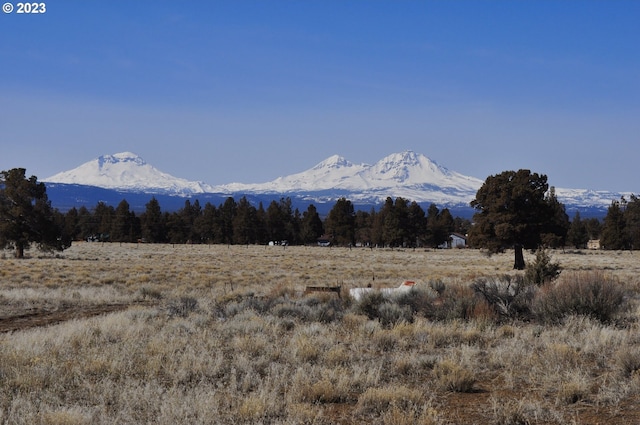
[
  {"x": 397, "y": 223},
  {"x": 514, "y": 209},
  {"x": 621, "y": 227}
]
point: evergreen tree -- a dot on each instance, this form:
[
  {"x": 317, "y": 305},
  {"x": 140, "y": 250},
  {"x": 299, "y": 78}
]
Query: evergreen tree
[
  {"x": 632, "y": 222},
  {"x": 446, "y": 225},
  {"x": 461, "y": 225},
  {"x": 103, "y": 216},
  {"x": 340, "y": 222},
  {"x": 296, "y": 222},
  {"x": 26, "y": 215},
  {"x": 86, "y": 223},
  {"x": 512, "y": 212},
  {"x": 245, "y": 223},
  {"x": 377, "y": 227},
  {"x": 390, "y": 224},
  {"x": 276, "y": 222},
  {"x": 224, "y": 224},
  {"x": 401, "y": 211},
  {"x": 613, "y": 235},
  {"x": 311, "y": 227},
  {"x": 153, "y": 223},
  {"x": 291, "y": 222},
  {"x": 176, "y": 226},
  {"x": 440, "y": 225},
  {"x": 123, "y": 227},
  {"x": 416, "y": 225},
  {"x": 578, "y": 235},
  {"x": 71, "y": 225},
  {"x": 364, "y": 227},
  {"x": 556, "y": 228},
  {"x": 191, "y": 214},
  {"x": 594, "y": 228},
  {"x": 261, "y": 225},
  {"x": 205, "y": 224}
]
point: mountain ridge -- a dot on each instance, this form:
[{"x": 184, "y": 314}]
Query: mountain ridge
[{"x": 406, "y": 174}]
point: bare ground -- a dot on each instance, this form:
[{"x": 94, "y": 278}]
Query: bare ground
[{"x": 14, "y": 319}]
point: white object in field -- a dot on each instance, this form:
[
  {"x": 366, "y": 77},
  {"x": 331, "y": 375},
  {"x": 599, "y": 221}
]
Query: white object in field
[{"x": 406, "y": 286}]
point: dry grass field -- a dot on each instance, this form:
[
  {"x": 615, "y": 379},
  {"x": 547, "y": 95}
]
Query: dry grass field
[{"x": 162, "y": 334}]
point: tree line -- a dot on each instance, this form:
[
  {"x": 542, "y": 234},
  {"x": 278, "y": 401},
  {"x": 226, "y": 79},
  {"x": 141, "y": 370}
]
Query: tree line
[
  {"x": 396, "y": 223},
  {"x": 514, "y": 209}
]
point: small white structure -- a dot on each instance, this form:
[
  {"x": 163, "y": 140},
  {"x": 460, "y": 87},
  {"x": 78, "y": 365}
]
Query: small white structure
[
  {"x": 593, "y": 244},
  {"x": 456, "y": 240},
  {"x": 406, "y": 286}
]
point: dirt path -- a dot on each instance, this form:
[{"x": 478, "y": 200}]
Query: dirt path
[{"x": 36, "y": 318}]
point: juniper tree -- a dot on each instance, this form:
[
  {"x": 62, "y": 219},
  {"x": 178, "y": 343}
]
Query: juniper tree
[
  {"x": 514, "y": 212},
  {"x": 26, "y": 215}
]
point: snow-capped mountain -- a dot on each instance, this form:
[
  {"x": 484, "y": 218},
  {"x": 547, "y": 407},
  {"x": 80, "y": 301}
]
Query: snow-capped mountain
[
  {"x": 127, "y": 171},
  {"x": 406, "y": 174},
  {"x": 333, "y": 172}
]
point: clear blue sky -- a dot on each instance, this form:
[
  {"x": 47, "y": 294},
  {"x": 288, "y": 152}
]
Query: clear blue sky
[{"x": 246, "y": 91}]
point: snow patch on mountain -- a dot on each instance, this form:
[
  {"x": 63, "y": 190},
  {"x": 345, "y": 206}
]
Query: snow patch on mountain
[{"x": 128, "y": 172}]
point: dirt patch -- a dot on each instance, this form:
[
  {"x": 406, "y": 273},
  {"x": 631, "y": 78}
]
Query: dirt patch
[{"x": 42, "y": 317}]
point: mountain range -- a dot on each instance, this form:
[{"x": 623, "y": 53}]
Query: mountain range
[{"x": 413, "y": 176}]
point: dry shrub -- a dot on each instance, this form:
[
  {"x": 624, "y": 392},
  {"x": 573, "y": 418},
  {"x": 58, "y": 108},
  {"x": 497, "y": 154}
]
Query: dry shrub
[
  {"x": 572, "y": 392},
  {"x": 370, "y": 303},
  {"x": 506, "y": 331},
  {"x": 427, "y": 415},
  {"x": 338, "y": 355},
  {"x": 282, "y": 290},
  {"x": 376, "y": 306},
  {"x": 385, "y": 340},
  {"x": 182, "y": 307},
  {"x": 418, "y": 299},
  {"x": 391, "y": 313},
  {"x": 322, "y": 386},
  {"x": 252, "y": 409},
  {"x": 592, "y": 294},
  {"x": 575, "y": 387},
  {"x": 454, "y": 333},
  {"x": 353, "y": 322},
  {"x": 628, "y": 361},
  {"x": 456, "y": 302},
  {"x": 454, "y": 377},
  {"x": 510, "y": 413},
  {"x": 323, "y": 391},
  {"x": 305, "y": 348},
  {"x": 523, "y": 412},
  {"x": 509, "y": 297},
  {"x": 483, "y": 313},
  {"x": 377, "y": 401}
]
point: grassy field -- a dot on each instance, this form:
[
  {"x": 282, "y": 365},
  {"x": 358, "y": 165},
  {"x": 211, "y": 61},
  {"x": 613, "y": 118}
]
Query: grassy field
[{"x": 195, "y": 334}]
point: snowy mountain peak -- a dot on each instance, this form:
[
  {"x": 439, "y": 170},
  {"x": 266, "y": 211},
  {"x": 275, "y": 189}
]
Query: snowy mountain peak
[
  {"x": 404, "y": 165},
  {"x": 129, "y": 172},
  {"x": 120, "y": 158},
  {"x": 334, "y": 161},
  {"x": 406, "y": 174}
]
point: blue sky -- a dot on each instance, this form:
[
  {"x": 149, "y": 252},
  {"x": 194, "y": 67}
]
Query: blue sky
[{"x": 246, "y": 91}]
